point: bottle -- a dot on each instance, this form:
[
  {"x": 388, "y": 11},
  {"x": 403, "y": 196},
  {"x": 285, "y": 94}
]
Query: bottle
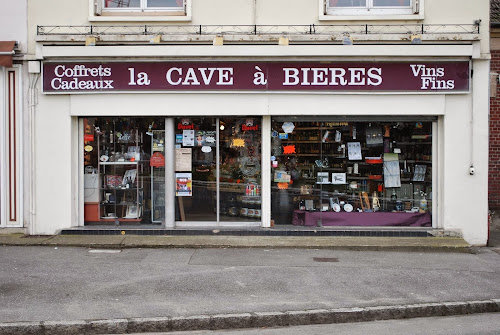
[
  {"x": 423, "y": 202},
  {"x": 302, "y": 205},
  {"x": 394, "y": 196}
]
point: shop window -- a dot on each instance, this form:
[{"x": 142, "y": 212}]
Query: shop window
[
  {"x": 351, "y": 173},
  {"x": 372, "y": 7},
  {"x": 124, "y": 170},
  {"x": 140, "y": 7}
]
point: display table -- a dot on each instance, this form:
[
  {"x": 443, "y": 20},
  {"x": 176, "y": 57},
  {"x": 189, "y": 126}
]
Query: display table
[{"x": 365, "y": 219}]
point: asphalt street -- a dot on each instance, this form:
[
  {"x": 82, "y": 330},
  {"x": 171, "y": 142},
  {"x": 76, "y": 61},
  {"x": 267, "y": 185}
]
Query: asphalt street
[{"x": 65, "y": 283}]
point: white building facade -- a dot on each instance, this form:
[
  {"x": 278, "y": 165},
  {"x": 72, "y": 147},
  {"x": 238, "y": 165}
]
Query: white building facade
[
  {"x": 13, "y": 49},
  {"x": 368, "y": 114}
]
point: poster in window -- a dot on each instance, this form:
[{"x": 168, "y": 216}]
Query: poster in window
[
  {"x": 281, "y": 177},
  {"x": 339, "y": 178},
  {"x": 184, "y": 184},
  {"x": 419, "y": 173},
  {"x": 354, "y": 151},
  {"x": 205, "y": 138},
  {"x": 392, "y": 177},
  {"x": 188, "y": 138},
  {"x": 183, "y": 159}
]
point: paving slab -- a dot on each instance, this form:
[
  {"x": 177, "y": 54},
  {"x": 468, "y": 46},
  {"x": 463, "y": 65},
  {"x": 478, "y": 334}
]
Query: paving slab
[
  {"x": 21, "y": 239},
  {"x": 108, "y": 241}
]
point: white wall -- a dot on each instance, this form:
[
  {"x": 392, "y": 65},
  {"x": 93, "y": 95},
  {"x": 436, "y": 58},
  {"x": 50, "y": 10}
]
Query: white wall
[
  {"x": 13, "y": 22},
  {"x": 262, "y": 12},
  {"x": 54, "y": 168},
  {"x": 254, "y": 104}
]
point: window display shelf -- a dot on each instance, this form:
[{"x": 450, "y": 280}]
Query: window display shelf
[
  {"x": 414, "y": 161},
  {"x": 311, "y": 142},
  {"x": 413, "y": 143},
  {"x": 121, "y": 189},
  {"x": 313, "y": 155},
  {"x": 118, "y": 163}
]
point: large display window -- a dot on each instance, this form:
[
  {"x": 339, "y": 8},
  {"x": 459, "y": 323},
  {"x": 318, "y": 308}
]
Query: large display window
[
  {"x": 351, "y": 173},
  {"x": 124, "y": 170}
]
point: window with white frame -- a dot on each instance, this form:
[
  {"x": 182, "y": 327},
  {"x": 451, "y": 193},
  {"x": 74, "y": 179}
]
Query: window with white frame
[
  {"x": 149, "y": 7},
  {"x": 371, "y": 7}
]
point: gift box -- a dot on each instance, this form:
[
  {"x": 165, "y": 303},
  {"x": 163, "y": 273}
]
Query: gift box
[{"x": 113, "y": 181}]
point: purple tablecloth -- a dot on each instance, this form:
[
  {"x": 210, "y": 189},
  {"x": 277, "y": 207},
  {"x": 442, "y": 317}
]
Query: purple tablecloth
[{"x": 305, "y": 218}]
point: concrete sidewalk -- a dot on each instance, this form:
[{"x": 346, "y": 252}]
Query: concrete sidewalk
[
  {"x": 67, "y": 290},
  {"x": 210, "y": 241}
]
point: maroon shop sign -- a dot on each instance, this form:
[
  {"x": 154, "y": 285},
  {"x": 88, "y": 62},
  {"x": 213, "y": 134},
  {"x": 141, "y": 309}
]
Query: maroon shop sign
[{"x": 257, "y": 76}]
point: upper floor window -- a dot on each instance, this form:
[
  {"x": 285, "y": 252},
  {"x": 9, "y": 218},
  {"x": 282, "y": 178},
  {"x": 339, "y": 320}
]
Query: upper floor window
[
  {"x": 371, "y": 7},
  {"x": 141, "y": 7},
  {"x": 144, "y": 4}
]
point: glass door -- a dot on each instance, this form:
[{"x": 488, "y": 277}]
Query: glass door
[
  {"x": 196, "y": 169},
  {"x": 240, "y": 169},
  {"x": 218, "y": 169}
]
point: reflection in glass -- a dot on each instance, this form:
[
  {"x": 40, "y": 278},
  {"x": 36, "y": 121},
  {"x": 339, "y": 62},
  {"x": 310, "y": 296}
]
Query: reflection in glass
[
  {"x": 391, "y": 3},
  {"x": 164, "y": 3},
  {"x": 122, "y": 3},
  {"x": 240, "y": 169},
  {"x": 347, "y": 3}
]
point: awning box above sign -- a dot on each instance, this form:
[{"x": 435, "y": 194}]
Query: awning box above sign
[{"x": 257, "y": 76}]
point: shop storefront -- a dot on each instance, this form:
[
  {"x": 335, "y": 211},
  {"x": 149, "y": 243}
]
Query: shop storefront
[{"x": 262, "y": 144}]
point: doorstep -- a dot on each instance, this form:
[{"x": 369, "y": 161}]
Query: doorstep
[{"x": 282, "y": 230}]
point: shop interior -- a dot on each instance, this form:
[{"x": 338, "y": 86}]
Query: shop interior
[
  {"x": 343, "y": 173},
  {"x": 323, "y": 173},
  {"x": 124, "y": 170},
  {"x": 217, "y": 170}
]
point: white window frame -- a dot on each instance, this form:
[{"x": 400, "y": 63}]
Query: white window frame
[
  {"x": 97, "y": 12},
  {"x": 142, "y": 8},
  {"x": 413, "y": 12}
]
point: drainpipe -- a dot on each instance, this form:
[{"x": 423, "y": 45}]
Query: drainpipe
[
  {"x": 254, "y": 12},
  {"x": 34, "y": 76}
]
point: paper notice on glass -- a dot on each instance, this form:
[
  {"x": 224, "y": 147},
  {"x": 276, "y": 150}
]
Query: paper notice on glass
[
  {"x": 392, "y": 177},
  {"x": 354, "y": 151},
  {"x": 184, "y": 184},
  {"x": 188, "y": 138},
  {"x": 183, "y": 159},
  {"x": 281, "y": 177}
]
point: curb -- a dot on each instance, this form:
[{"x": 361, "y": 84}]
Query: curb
[{"x": 249, "y": 320}]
